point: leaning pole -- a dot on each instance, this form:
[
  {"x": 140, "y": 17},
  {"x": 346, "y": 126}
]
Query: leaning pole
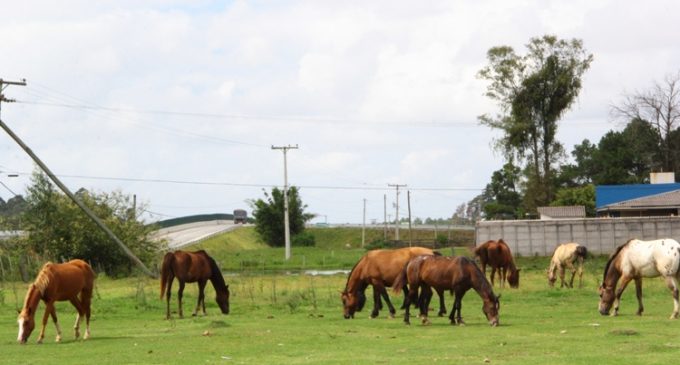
[{"x": 77, "y": 201}]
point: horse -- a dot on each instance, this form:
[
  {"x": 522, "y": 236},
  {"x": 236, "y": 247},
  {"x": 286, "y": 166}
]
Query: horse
[
  {"x": 458, "y": 274},
  {"x": 378, "y": 268},
  {"x": 72, "y": 281},
  {"x": 497, "y": 255},
  {"x": 635, "y": 260},
  {"x": 564, "y": 256},
  {"x": 190, "y": 267}
]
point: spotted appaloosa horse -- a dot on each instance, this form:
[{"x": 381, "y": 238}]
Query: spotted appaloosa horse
[
  {"x": 635, "y": 260},
  {"x": 564, "y": 257},
  {"x": 497, "y": 255},
  {"x": 190, "y": 267},
  {"x": 72, "y": 281},
  {"x": 378, "y": 268},
  {"x": 458, "y": 274}
]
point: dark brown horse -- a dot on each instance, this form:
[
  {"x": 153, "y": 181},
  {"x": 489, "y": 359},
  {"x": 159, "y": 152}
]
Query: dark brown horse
[
  {"x": 72, "y": 281},
  {"x": 497, "y": 255},
  {"x": 193, "y": 267},
  {"x": 458, "y": 274},
  {"x": 378, "y": 268}
]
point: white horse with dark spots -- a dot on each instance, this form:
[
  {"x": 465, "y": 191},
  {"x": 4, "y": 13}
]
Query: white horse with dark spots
[{"x": 635, "y": 260}]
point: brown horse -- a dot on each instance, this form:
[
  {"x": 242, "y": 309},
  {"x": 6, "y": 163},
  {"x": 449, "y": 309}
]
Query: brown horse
[
  {"x": 564, "y": 257},
  {"x": 458, "y": 274},
  {"x": 58, "y": 282},
  {"x": 378, "y": 268},
  {"x": 497, "y": 255},
  {"x": 190, "y": 267}
]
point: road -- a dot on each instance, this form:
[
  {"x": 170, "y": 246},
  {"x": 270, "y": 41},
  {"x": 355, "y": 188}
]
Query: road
[{"x": 187, "y": 234}]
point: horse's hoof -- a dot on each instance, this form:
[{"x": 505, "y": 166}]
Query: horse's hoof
[
  {"x": 39, "y": 341},
  {"x": 58, "y": 339},
  {"x": 391, "y": 316},
  {"x": 426, "y": 322}
]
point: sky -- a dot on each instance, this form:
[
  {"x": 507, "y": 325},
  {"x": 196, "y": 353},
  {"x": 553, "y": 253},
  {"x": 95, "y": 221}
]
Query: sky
[{"x": 180, "y": 102}]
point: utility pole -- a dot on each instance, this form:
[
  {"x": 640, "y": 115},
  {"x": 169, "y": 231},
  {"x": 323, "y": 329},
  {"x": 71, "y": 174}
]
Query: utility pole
[
  {"x": 363, "y": 227},
  {"x": 286, "y": 222},
  {"x": 385, "y": 217},
  {"x": 410, "y": 232},
  {"x": 3, "y": 86},
  {"x": 63, "y": 187},
  {"x": 396, "y": 217}
]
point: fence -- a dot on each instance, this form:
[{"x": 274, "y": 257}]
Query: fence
[{"x": 599, "y": 235}]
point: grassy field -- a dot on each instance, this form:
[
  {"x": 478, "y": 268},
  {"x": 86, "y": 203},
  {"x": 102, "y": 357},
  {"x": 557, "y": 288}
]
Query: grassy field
[
  {"x": 290, "y": 318},
  {"x": 296, "y": 319}
]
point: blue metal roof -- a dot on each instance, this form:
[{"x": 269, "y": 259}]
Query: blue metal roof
[{"x": 610, "y": 194}]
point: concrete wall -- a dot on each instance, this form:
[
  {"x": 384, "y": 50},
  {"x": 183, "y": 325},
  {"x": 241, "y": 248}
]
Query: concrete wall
[{"x": 599, "y": 235}]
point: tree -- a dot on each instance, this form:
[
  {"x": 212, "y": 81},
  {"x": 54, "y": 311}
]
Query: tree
[
  {"x": 659, "y": 106},
  {"x": 268, "y": 215},
  {"x": 58, "y": 230},
  {"x": 534, "y": 91},
  {"x": 583, "y": 195},
  {"x": 505, "y": 199}
]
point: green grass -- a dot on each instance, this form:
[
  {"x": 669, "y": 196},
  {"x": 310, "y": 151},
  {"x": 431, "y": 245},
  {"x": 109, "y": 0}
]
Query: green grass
[{"x": 297, "y": 319}]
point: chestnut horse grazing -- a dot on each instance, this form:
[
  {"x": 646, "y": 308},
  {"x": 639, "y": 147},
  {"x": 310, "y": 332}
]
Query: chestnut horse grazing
[
  {"x": 190, "y": 267},
  {"x": 378, "y": 268},
  {"x": 72, "y": 281},
  {"x": 635, "y": 260},
  {"x": 458, "y": 274},
  {"x": 564, "y": 256},
  {"x": 497, "y": 255}
]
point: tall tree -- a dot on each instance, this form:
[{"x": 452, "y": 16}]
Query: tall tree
[
  {"x": 660, "y": 106},
  {"x": 268, "y": 214},
  {"x": 533, "y": 92},
  {"x": 503, "y": 190}
]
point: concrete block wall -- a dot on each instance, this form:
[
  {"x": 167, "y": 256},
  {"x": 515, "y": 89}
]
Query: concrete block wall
[{"x": 599, "y": 235}]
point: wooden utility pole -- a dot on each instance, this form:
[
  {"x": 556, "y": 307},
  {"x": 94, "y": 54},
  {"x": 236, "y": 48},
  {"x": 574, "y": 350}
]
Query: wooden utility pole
[
  {"x": 385, "y": 217},
  {"x": 396, "y": 217},
  {"x": 410, "y": 232},
  {"x": 63, "y": 187},
  {"x": 286, "y": 222}
]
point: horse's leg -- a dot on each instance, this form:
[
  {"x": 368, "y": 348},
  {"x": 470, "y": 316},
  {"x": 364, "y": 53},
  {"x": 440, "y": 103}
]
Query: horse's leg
[
  {"x": 79, "y": 307},
  {"x": 638, "y": 294},
  {"x": 168, "y": 295},
  {"x": 580, "y": 272},
  {"x": 493, "y": 274},
  {"x": 571, "y": 267},
  {"x": 672, "y": 283},
  {"x": 617, "y": 300},
  {"x": 86, "y": 301},
  {"x": 382, "y": 291},
  {"x": 201, "y": 297},
  {"x": 377, "y": 304},
  {"x": 180, "y": 292},
  {"x": 407, "y": 303},
  {"x": 501, "y": 273},
  {"x": 442, "y": 306},
  {"x": 425, "y": 296}
]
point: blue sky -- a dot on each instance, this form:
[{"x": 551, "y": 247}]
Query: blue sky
[{"x": 179, "y": 102}]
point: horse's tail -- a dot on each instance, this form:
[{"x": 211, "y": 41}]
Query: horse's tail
[
  {"x": 581, "y": 251},
  {"x": 166, "y": 271},
  {"x": 401, "y": 279}
]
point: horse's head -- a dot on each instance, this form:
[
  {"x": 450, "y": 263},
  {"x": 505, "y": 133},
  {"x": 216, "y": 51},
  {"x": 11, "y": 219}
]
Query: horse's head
[
  {"x": 352, "y": 302},
  {"x": 606, "y": 299},
  {"x": 26, "y": 323},
  {"x": 513, "y": 278},
  {"x": 490, "y": 308},
  {"x": 552, "y": 278},
  {"x": 223, "y": 300}
]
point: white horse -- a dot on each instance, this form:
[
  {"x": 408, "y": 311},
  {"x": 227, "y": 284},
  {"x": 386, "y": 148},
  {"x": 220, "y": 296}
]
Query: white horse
[
  {"x": 635, "y": 260},
  {"x": 565, "y": 255}
]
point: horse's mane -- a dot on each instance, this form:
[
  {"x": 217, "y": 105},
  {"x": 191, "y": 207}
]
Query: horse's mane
[
  {"x": 612, "y": 257},
  {"x": 215, "y": 272},
  {"x": 480, "y": 275},
  {"x": 349, "y": 276},
  {"x": 43, "y": 279}
]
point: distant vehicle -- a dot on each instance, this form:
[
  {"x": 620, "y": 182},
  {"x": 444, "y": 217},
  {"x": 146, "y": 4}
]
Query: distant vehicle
[{"x": 240, "y": 216}]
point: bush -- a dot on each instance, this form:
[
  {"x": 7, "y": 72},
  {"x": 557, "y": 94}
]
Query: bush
[{"x": 304, "y": 239}]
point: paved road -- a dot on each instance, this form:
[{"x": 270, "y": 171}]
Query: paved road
[{"x": 187, "y": 234}]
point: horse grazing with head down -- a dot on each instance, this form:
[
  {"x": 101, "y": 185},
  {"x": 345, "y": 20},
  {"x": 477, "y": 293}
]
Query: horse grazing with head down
[
  {"x": 497, "y": 255},
  {"x": 635, "y": 260},
  {"x": 458, "y": 274},
  {"x": 190, "y": 267},
  {"x": 72, "y": 281},
  {"x": 564, "y": 257},
  {"x": 378, "y": 268}
]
